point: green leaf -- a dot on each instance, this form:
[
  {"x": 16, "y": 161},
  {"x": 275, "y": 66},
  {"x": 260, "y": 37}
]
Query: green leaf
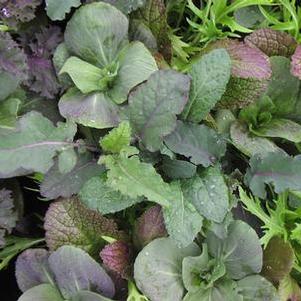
[
  {"x": 8, "y": 112},
  {"x": 94, "y": 110},
  {"x": 283, "y": 87},
  {"x": 141, "y": 178},
  {"x": 45, "y": 292},
  {"x": 96, "y": 33},
  {"x": 67, "y": 160},
  {"x": 136, "y": 64},
  {"x": 57, "y": 9},
  {"x": 158, "y": 269},
  {"x": 249, "y": 144},
  {"x": 153, "y": 106},
  {"x": 209, "y": 194},
  {"x": 289, "y": 289},
  {"x": 283, "y": 171},
  {"x": 127, "y": 6},
  {"x": 85, "y": 76},
  {"x": 33, "y": 145},
  {"x": 97, "y": 195},
  {"x": 69, "y": 222},
  {"x": 182, "y": 221},
  {"x": 210, "y": 76},
  {"x": 8, "y": 84},
  {"x": 15, "y": 245},
  {"x": 117, "y": 139},
  {"x": 241, "y": 251},
  {"x": 55, "y": 184},
  {"x": 278, "y": 260},
  {"x": 89, "y": 296},
  {"x": 178, "y": 169},
  {"x": 196, "y": 142},
  {"x": 257, "y": 288},
  {"x": 281, "y": 128}
]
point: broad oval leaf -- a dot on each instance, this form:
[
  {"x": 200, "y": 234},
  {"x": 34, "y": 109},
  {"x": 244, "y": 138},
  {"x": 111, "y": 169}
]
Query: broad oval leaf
[
  {"x": 240, "y": 251},
  {"x": 75, "y": 270},
  {"x": 199, "y": 143},
  {"x": 97, "y": 194},
  {"x": 209, "y": 194},
  {"x": 210, "y": 76},
  {"x": 33, "y": 145},
  {"x": 45, "y": 292},
  {"x": 153, "y": 106},
  {"x": 272, "y": 42},
  {"x": 178, "y": 169},
  {"x": 89, "y": 296},
  {"x": 158, "y": 269},
  {"x": 93, "y": 110},
  {"x": 96, "y": 33}
]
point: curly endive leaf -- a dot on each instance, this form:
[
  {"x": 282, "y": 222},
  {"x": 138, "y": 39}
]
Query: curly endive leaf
[
  {"x": 272, "y": 42},
  {"x": 153, "y": 106},
  {"x": 8, "y": 216},
  {"x": 296, "y": 63},
  {"x": 283, "y": 171},
  {"x": 33, "y": 145},
  {"x": 134, "y": 178},
  {"x": 57, "y": 9},
  {"x": 69, "y": 222},
  {"x": 210, "y": 76},
  {"x": 199, "y": 143}
]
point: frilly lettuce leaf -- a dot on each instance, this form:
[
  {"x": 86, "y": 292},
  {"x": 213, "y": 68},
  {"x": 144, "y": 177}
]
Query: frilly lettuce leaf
[
  {"x": 117, "y": 257},
  {"x": 57, "y": 10},
  {"x": 153, "y": 106},
  {"x": 33, "y": 145},
  {"x": 69, "y": 222},
  {"x": 149, "y": 226},
  {"x": 272, "y": 42}
]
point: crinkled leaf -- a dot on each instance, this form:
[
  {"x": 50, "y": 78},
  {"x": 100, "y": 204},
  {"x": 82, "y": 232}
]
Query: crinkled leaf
[
  {"x": 296, "y": 63},
  {"x": 272, "y": 42},
  {"x": 57, "y": 9},
  {"x": 153, "y": 106},
  {"x": 127, "y": 6},
  {"x": 241, "y": 91},
  {"x": 69, "y": 222},
  {"x": 15, "y": 245},
  {"x": 257, "y": 288},
  {"x": 289, "y": 289},
  {"x": 281, "y": 128},
  {"x": 149, "y": 226},
  {"x": 96, "y": 33},
  {"x": 182, "y": 221},
  {"x": 283, "y": 87},
  {"x": 56, "y": 184},
  {"x": 117, "y": 257},
  {"x": 117, "y": 138},
  {"x": 33, "y": 145},
  {"x": 32, "y": 269},
  {"x": 8, "y": 112},
  {"x": 134, "y": 178},
  {"x": 249, "y": 144},
  {"x": 45, "y": 292},
  {"x": 199, "y": 143},
  {"x": 75, "y": 270},
  {"x": 283, "y": 171},
  {"x": 158, "y": 269},
  {"x": 278, "y": 260},
  {"x": 178, "y": 169},
  {"x": 210, "y": 76},
  {"x": 136, "y": 64},
  {"x": 96, "y": 194},
  {"x": 93, "y": 110},
  {"x": 8, "y": 214},
  {"x": 240, "y": 251},
  {"x": 209, "y": 194}
]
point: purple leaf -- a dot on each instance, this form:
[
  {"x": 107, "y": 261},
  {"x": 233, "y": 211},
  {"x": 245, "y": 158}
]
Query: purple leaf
[
  {"x": 75, "y": 270},
  {"x": 117, "y": 257},
  {"x": 150, "y": 225},
  {"x": 296, "y": 63},
  {"x": 272, "y": 42},
  {"x": 32, "y": 269}
]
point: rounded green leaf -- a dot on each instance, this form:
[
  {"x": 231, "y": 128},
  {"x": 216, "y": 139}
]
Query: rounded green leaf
[{"x": 45, "y": 292}]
